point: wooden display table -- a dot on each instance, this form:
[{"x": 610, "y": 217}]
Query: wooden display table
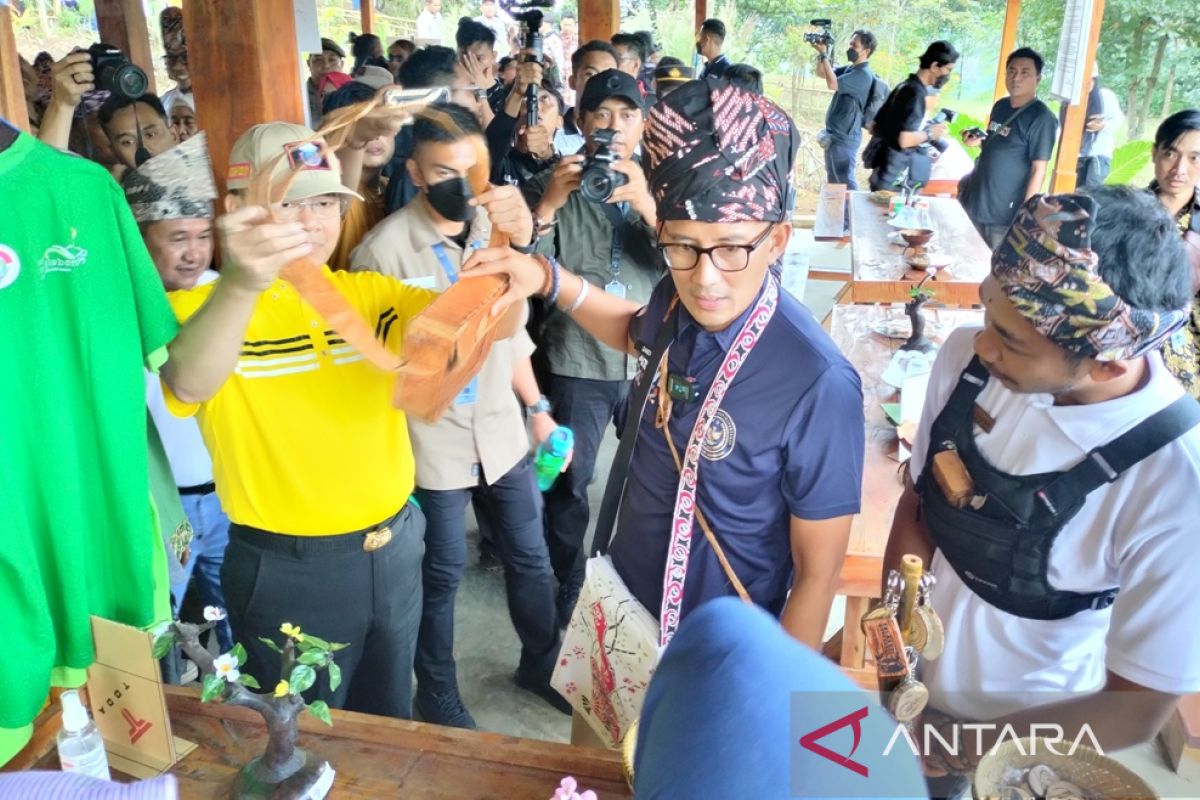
[
  {"x": 374, "y": 756},
  {"x": 879, "y": 273},
  {"x": 862, "y": 570}
]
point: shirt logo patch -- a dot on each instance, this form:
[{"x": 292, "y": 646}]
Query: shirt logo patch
[
  {"x": 10, "y": 265},
  {"x": 63, "y": 257},
  {"x": 719, "y": 438}
]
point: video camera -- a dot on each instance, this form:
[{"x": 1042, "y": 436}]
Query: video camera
[
  {"x": 599, "y": 180},
  {"x": 823, "y": 36},
  {"x": 937, "y": 146},
  {"x": 115, "y": 73},
  {"x": 529, "y": 14}
]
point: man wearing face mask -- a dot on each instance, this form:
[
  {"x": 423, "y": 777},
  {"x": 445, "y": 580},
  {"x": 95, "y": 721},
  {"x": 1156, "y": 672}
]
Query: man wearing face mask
[
  {"x": 893, "y": 151},
  {"x": 479, "y": 446},
  {"x": 613, "y": 244},
  {"x": 854, "y": 88}
]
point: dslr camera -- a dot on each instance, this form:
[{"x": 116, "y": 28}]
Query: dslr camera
[
  {"x": 115, "y": 73},
  {"x": 935, "y": 147},
  {"x": 599, "y": 180},
  {"x": 822, "y": 36}
]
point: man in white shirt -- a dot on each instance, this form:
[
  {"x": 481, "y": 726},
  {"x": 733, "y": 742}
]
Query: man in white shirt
[
  {"x": 429, "y": 24},
  {"x": 490, "y": 17},
  {"x": 171, "y": 198},
  {"x": 1104, "y": 116},
  {"x": 1066, "y": 571}
]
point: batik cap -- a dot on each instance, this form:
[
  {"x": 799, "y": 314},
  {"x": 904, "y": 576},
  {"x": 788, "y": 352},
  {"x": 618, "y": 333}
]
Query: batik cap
[
  {"x": 289, "y": 146},
  {"x": 720, "y": 153},
  {"x": 175, "y": 184}
]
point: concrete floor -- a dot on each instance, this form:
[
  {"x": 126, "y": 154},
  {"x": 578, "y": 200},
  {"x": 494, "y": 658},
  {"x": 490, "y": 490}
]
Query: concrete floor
[{"x": 487, "y": 647}]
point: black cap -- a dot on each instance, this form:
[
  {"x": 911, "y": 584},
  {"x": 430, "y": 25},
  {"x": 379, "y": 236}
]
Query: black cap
[
  {"x": 611, "y": 83},
  {"x": 673, "y": 74},
  {"x": 332, "y": 46}
]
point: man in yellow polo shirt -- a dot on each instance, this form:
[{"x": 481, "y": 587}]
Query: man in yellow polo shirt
[{"x": 310, "y": 460}]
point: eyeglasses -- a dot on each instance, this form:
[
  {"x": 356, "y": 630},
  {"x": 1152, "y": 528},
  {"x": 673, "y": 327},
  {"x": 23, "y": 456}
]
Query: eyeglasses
[
  {"x": 725, "y": 257},
  {"x": 325, "y": 206}
]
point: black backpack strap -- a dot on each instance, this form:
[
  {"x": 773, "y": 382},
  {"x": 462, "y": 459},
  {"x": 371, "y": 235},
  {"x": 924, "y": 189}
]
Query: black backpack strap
[
  {"x": 615, "y": 487},
  {"x": 1107, "y": 463},
  {"x": 959, "y": 407}
]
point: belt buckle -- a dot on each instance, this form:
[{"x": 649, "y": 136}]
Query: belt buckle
[{"x": 377, "y": 538}]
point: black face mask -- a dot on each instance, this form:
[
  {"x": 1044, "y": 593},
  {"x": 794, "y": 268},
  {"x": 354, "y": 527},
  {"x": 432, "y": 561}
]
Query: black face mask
[
  {"x": 451, "y": 199},
  {"x": 852, "y": 55},
  {"x": 941, "y": 80}
]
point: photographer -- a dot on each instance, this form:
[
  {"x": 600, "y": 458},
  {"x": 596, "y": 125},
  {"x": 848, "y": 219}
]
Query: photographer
[
  {"x": 520, "y": 152},
  {"x": 1016, "y": 149},
  {"x": 854, "y": 88},
  {"x": 899, "y": 126},
  {"x": 612, "y": 242}
]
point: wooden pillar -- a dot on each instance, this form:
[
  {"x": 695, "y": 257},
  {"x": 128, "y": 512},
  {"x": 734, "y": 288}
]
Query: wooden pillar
[
  {"x": 245, "y": 67},
  {"x": 123, "y": 25},
  {"x": 701, "y": 14},
  {"x": 598, "y": 19},
  {"x": 12, "y": 90},
  {"x": 368, "y": 15},
  {"x": 1064, "y": 176},
  {"x": 1008, "y": 43}
]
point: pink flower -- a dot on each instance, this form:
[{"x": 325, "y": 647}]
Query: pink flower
[
  {"x": 567, "y": 790},
  {"x": 214, "y": 613}
]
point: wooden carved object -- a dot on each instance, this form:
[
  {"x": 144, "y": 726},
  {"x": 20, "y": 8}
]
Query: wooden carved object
[{"x": 444, "y": 345}]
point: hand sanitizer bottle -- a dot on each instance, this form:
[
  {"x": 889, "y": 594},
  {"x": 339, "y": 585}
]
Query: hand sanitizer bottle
[{"x": 80, "y": 746}]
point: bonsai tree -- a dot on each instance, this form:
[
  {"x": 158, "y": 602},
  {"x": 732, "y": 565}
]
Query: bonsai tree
[
  {"x": 918, "y": 296},
  {"x": 302, "y": 656}
]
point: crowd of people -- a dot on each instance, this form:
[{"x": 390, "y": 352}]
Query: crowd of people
[{"x": 647, "y": 209}]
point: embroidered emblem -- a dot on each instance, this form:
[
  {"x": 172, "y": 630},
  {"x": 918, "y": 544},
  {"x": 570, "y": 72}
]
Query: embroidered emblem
[
  {"x": 719, "y": 438},
  {"x": 63, "y": 257},
  {"x": 10, "y": 265}
]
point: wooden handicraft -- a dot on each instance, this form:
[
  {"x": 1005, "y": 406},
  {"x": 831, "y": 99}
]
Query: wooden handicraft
[{"x": 444, "y": 345}]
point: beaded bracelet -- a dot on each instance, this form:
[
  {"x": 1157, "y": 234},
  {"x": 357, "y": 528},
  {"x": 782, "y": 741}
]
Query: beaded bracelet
[{"x": 555, "y": 274}]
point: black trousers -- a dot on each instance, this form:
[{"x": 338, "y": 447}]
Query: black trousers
[{"x": 332, "y": 588}]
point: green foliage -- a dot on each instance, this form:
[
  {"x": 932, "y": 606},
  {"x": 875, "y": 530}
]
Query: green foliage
[
  {"x": 212, "y": 688},
  {"x": 239, "y": 653},
  {"x": 163, "y": 643},
  {"x": 248, "y": 680},
  {"x": 302, "y": 678},
  {"x": 1128, "y": 161},
  {"x": 320, "y": 710},
  {"x": 271, "y": 644},
  {"x": 335, "y": 675},
  {"x": 312, "y": 658}
]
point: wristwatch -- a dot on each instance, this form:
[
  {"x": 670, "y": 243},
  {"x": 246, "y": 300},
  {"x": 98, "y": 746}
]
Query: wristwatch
[{"x": 542, "y": 406}]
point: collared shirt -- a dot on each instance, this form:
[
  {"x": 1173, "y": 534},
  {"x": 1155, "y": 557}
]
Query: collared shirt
[
  {"x": 844, "y": 117},
  {"x": 482, "y": 435},
  {"x": 181, "y": 439},
  {"x": 429, "y": 26},
  {"x": 1137, "y": 533},
  {"x": 303, "y": 435},
  {"x": 583, "y": 240},
  {"x": 789, "y": 443},
  {"x": 717, "y": 67}
]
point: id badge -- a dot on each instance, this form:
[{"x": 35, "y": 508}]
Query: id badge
[
  {"x": 469, "y": 394},
  {"x": 615, "y": 288}
]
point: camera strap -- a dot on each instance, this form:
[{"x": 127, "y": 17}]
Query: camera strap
[
  {"x": 1008, "y": 122},
  {"x": 616, "y": 216}
]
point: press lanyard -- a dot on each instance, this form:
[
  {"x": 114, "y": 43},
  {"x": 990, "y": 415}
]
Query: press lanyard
[
  {"x": 616, "y": 216},
  {"x": 439, "y": 250}
]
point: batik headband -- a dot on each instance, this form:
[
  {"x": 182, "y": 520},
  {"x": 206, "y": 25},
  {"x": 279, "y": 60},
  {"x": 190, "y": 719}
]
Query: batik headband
[
  {"x": 720, "y": 153},
  {"x": 1047, "y": 269}
]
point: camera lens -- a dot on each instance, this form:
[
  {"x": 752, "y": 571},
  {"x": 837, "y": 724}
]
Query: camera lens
[
  {"x": 597, "y": 184},
  {"x": 129, "y": 81}
]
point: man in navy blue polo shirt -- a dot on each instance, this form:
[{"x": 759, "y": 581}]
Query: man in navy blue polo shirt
[{"x": 762, "y": 412}]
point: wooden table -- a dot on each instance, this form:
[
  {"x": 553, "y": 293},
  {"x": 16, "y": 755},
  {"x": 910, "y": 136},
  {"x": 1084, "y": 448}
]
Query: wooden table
[
  {"x": 862, "y": 569},
  {"x": 374, "y": 756},
  {"x": 879, "y": 273}
]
